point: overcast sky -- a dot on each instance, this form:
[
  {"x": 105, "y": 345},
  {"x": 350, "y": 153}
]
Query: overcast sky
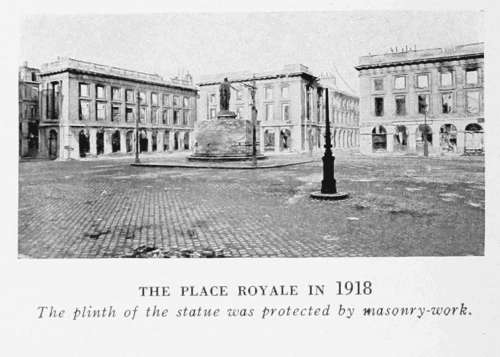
[{"x": 229, "y": 42}]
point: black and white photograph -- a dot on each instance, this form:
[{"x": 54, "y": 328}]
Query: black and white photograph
[
  {"x": 246, "y": 179},
  {"x": 252, "y": 135}
]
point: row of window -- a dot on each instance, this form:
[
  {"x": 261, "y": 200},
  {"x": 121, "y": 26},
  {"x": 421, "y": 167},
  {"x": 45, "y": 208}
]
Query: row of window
[
  {"x": 422, "y": 80},
  {"x": 179, "y": 117},
  {"x": 268, "y": 94},
  {"x": 28, "y": 92},
  {"x": 344, "y": 118},
  {"x": 447, "y": 103},
  {"x": 116, "y": 95}
]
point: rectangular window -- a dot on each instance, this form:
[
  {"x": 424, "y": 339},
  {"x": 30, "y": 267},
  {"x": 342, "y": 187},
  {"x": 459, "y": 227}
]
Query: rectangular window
[
  {"x": 422, "y": 81},
  {"x": 447, "y": 102},
  {"x": 401, "y": 105},
  {"x": 129, "y": 115},
  {"x": 129, "y": 96},
  {"x": 473, "y": 102},
  {"x": 164, "y": 116},
  {"x": 34, "y": 93},
  {"x": 166, "y": 100},
  {"x": 176, "y": 117},
  {"x": 285, "y": 112},
  {"x": 154, "y": 98},
  {"x": 101, "y": 111},
  {"x": 423, "y": 103},
  {"x": 142, "y": 97},
  {"x": 400, "y": 82},
  {"x": 269, "y": 112},
  {"x": 379, "y": 107},
  {"x": 212, "y": 113},
  {"x": 115, "y": 113},
  {"x": 115, "y": 94},
  {"x": 284, "y": 92},
  {"x": 378, "y": 84},
  {"x": 100, "y": 93},
  {"x": 269, "y": 93},
  {"x": 84, "y": 90},
  {"x": 84, "y": 110},
  {"x": 142, "y": 115},
  {"x": 471, "y": 76},
  {"x": 239, "y": 94},
  {"x": 184, "y": 117},
  {"x": 446, "y": 79},
  {"x": 185, "y": 102},
  {"x": 212, "y": 99},
  {"x": 176, "y": 101},
  {"x": 154, "y": 115}
]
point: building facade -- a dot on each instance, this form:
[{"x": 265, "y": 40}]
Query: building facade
[
  {"x": 289, "y": 105},
  {"x": 29, "y": 115},
  {"x": 344, "y": 115},
  {"x": 415, "y": 98},
  {"x": 87, "y": 110}
]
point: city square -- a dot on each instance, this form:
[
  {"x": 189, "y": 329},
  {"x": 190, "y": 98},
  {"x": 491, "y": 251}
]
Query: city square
[
  {"x": 210, "y": 156},
  {"x": 106, "y": 208}
]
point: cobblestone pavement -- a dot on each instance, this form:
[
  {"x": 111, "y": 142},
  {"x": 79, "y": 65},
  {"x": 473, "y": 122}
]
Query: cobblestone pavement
[{"x": 398, "y": 207}]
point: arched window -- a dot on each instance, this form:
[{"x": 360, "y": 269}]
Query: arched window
[
  {"x": 186, "y": 141},
  {"x": 379, "y": 138},
  {"x": 285, "y": 140},
  {"x": 448, "y": 138},
  {"x": 115, "y": 141},
  {"x": 269, "y": 140},
  {"x": 100, "y": 142},
  {"x": 83, "y": 143},
  {"x": 400, "y": 138}
]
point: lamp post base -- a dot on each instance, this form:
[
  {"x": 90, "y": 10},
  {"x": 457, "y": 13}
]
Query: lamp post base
[{"x": 329, "y": 196}]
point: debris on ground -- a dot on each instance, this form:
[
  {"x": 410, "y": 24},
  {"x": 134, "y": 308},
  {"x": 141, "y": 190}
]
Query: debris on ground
[
  {"x": 95, "y": 234},
  {"x": 144, "y": 251}
]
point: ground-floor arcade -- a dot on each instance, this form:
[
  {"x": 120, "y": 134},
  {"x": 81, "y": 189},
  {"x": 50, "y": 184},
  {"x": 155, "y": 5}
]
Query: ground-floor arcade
[
  {"x": 443, "y": 137},
  {"x": 294, "y": 138},
  {"x": 76, "y": 142}
]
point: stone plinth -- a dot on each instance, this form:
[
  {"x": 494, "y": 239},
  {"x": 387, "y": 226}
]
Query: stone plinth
[{"x": 225, "y": 138}]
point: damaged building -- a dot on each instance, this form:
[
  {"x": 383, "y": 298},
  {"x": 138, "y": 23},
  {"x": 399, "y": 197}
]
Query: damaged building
[
  {"x": 409, "y": 96},
  {"x": 88, "y": 109},
  {"x": 29, "y": 115},
  {"x": 290, "y": 105}
]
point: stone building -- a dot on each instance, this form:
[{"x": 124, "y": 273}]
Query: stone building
[
  {"x": 29, "y": 82},
  {"x": 412, "y": 96},
  {"x": 87, "y": 109},
  {"x": 344, "y": 114},
  {"x": 288, "y": 102}
]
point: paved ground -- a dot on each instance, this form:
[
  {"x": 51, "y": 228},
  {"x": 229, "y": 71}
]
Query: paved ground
[{"x": 106, "y": 208}]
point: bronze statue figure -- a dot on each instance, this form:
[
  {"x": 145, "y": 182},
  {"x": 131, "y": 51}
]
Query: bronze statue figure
[{"x": 225, "y": 94}]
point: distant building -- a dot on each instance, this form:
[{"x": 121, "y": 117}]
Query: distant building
[
  {"x": 89, "y": 109},
  {"x": 344, "y": 114},
  {"x": 290, "y": 106},
  {"x": 29, "y": 116},
  {"x": 416, "y": 95}
]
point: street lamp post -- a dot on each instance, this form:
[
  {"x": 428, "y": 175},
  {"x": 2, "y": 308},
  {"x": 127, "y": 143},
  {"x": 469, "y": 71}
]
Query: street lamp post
[
  {"x": 309, "y": 123},
  {"x": 137, "y": 128},
  {"x": 253, "y": 89},
  {"x": 328, "y": 184},
  {"x": 426, "y": 145},
  {"x": 254, "y": 124}
]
